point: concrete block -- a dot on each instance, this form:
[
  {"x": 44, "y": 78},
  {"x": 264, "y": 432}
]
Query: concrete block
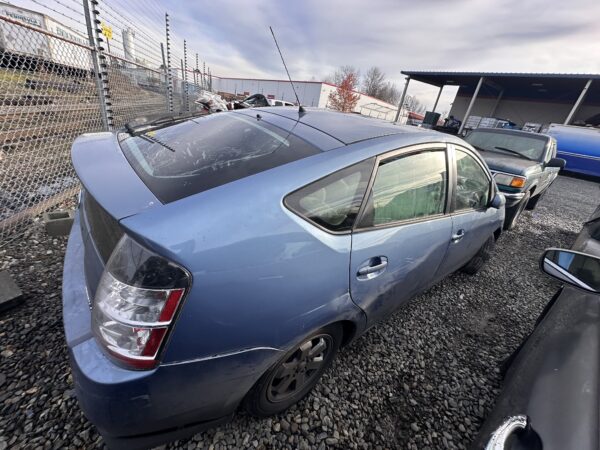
[
  {"x": 58, "y": 223},
  {"x": 10, "y": 294}
]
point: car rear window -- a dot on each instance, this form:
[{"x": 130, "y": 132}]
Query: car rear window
[{"x": 206, "y": 152}]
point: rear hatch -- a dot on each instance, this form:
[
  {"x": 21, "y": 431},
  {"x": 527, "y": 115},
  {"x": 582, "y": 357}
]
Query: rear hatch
[
  {"x": 111, "y": 191},
  {"x": 125, "y": 174}
]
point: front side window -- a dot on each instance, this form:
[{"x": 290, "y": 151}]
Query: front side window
[
  {"x": 333, "y": 202},
  {"x": 472, "y": 184},
  {"x": 407, "y": 187}
]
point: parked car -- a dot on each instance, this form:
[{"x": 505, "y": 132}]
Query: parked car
[
  {"x": 551, "y": 394},
  {"x": 524, "y": 166},
  {"x": 224, "y": 260},
  {"x": 579, "y": 146},
  {"x": 258, "y": 101}
]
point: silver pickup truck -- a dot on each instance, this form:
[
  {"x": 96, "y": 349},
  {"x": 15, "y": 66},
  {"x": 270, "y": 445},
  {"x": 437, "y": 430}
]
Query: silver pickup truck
[{"x": 524, "y": 165}]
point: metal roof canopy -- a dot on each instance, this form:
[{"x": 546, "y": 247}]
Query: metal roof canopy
[{"x": 542, "y": 87}]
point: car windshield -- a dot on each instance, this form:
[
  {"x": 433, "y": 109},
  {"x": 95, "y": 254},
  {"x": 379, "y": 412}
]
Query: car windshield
[
  {"x": 531, "y": 147},
  {"x": 203, "y": 153}
]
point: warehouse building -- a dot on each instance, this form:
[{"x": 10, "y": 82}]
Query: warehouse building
[
  {"x": 310, "y": 93},
  {"x": 529, "y": 100}
]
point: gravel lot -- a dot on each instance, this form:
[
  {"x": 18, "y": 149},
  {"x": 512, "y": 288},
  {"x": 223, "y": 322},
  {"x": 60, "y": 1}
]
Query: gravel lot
[{"x": 424, "y": 379}]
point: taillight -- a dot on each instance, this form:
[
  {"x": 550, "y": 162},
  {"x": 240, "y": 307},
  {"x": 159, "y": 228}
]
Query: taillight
[{"x": 135, "y": 303}]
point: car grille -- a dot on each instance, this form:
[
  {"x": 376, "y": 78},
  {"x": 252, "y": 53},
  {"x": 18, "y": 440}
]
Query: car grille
[{"x": 103, "y": 228}]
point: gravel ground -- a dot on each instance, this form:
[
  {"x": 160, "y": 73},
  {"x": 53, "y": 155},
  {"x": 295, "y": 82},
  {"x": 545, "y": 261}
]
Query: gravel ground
[{"x": 424, "y": 379}]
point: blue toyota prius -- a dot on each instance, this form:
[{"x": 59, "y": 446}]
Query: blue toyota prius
[{"x": 223, "y": 260}]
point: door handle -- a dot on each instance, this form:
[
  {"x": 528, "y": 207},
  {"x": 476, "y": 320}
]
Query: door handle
[
  {"x": 377, "y": 264},
  {"x": 458, "y": 236}
]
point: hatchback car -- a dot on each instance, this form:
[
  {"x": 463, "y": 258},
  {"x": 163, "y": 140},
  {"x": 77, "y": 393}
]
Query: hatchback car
[{"x": 225, "y": 259}]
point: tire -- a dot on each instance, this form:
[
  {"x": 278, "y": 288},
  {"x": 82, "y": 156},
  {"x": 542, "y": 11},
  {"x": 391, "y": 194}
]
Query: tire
[
  {"x": 274, "y": 392},
  {"x": 512, "y": 215},
  {"x": 480, "y": 258},
  {"x": 532, "y": 204}
]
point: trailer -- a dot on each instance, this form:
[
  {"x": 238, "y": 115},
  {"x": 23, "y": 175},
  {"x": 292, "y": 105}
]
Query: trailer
[
  {"x": 579, "y": 146},
  {"x": 67, "y": 50}
]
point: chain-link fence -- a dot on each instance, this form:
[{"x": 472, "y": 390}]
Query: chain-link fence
[{"x": 74, "y": 66}]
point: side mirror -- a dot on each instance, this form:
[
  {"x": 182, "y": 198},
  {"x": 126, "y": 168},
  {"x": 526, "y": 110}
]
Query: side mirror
[
  {"x": 498, "y": 201},
  {"x": 557, "y": 162},
  {"x": 577, "y": 269}
]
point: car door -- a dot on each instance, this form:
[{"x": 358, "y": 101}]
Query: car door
[
  {"x": 403, "y": 229},
  {"x": 473, "y": 219}
]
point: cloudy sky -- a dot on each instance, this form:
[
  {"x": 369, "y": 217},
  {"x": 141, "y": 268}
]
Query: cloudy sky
[{"x": 319, "y": 36}]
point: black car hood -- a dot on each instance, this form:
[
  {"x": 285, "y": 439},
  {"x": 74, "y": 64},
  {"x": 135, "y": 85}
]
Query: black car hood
[{"x": 502, "y": 162}]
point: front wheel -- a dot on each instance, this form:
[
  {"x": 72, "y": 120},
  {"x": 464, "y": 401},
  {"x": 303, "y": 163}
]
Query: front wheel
[
  {"x": 482, "y": 256},
  {"x": 295, "y": 374},
  {"x": 512, "y": 215}
]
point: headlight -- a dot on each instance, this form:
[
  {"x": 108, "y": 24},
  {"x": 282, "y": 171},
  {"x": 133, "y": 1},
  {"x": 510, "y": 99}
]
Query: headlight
[{"x": 510, "y": 180}]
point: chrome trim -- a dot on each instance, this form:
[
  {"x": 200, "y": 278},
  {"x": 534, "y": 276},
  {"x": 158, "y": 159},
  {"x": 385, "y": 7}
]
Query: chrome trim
[
  {"x": 509, "y": 426},
  {"x": 221, "y": 355},
  {"x": 494, "y": 172},
  {"x": 516, "y": 195},
  {"x": 578, "y": 155}
]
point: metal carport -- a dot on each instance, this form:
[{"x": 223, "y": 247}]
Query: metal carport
[{"x": 520, "y": 97}]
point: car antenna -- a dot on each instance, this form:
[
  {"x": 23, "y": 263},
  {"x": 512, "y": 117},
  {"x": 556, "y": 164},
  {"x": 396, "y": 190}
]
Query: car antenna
[{"x": 301, "y": 110}]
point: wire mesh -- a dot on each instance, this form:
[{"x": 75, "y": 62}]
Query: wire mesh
[
  {"x": 49, "y": 91},
  {"x": 47, "y": 98}
]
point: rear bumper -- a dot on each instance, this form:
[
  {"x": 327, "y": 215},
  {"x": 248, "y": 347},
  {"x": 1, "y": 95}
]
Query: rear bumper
[{"x": 139, "y": 409}]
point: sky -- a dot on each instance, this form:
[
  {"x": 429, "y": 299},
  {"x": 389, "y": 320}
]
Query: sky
[{"x": 317, "y": 37}]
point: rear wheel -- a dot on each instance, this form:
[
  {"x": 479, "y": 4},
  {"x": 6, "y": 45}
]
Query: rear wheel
[
  {"x": 482, "y": 256},
  {"x": 295, "y": 374},
  {"x": 512, "y": 215}
]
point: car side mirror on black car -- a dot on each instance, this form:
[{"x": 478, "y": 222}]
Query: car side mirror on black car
[
  {"x": 498, "y": 201},
  {"x": 575, "y": 268},
  {"x": 557, "y": 162}
]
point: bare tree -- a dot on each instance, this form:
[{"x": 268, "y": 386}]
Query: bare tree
[
  {"x": 373, "y": 82},
  {"x": 412, "y": 103},
  {"x": 341, "y": 74},
  {"x": 389, "y": 93}
]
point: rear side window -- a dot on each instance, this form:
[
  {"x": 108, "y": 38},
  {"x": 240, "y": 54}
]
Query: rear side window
[
  {"x": 206, "y": 152},
  {"x": 407, "y": 187},
  {"x": 333, "y": 202}
]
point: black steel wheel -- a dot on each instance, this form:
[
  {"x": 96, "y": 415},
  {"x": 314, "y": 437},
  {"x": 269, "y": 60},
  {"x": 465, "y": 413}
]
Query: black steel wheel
[{"x": 295, "y": 374}]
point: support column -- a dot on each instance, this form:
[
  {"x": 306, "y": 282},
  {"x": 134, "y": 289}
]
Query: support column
[
  {"x": 470, "y": 107},
  {"x": 437, "y": 99},
  {"x": 401, "y": 104},
  {"x": 578, "y": 102}
]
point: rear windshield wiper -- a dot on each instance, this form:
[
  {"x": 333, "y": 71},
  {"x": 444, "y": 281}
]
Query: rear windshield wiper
[
  {"x": 147, "y": 137},
  {"x": 504, "y": 149},
  {"x": 144, "y": 124}
]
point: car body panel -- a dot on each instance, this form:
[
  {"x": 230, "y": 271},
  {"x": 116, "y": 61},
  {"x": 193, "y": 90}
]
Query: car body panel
[
  {"x": 554, "y": 377},
  {"x": 579, "y": 146},
  {"x": 409, "y": 265}
]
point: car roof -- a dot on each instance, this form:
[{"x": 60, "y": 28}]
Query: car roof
[
  {"x": 347, "y": 128},
  {"x": 513, "y": 132}
]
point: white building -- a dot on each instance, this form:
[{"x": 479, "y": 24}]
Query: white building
[{"x": 310, "y": 93}]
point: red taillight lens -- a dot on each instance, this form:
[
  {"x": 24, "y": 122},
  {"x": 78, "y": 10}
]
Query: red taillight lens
[{"x": 135, "y": 303}]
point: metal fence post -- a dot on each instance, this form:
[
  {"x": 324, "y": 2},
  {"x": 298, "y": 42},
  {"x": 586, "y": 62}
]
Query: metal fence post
[
  {"x": 165, "y": 70},
  {"x": 169, "y": 74},
  {"x": 185, "y": 78},
  {"x": 99, "y": 61}
]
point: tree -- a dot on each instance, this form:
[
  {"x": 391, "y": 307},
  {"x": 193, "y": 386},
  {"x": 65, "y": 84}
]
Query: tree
[
  {"x": 412, "y": 103},
  {"x": 389, "y": 93},
  {"x": 374, "y": 82},
  {"x": 344, "y": 98},
  {"x": 341, "y": 74}
]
